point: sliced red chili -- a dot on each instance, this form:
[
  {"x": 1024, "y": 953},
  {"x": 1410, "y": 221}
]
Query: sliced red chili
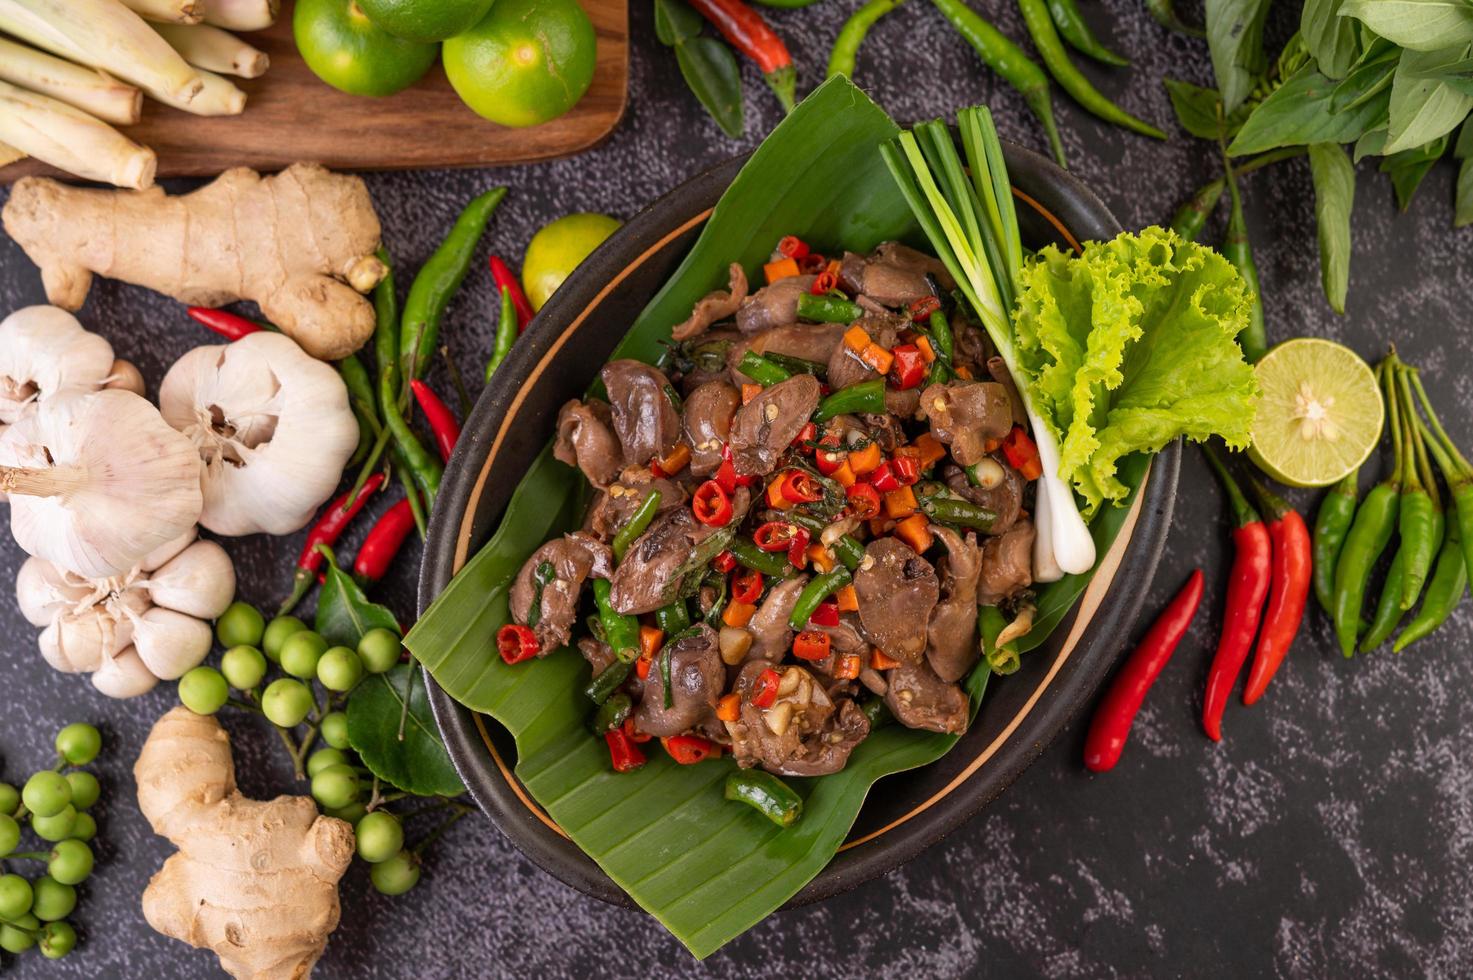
[
  {"x": 792, "y": 247},
  {"x": 634, "y": 734},
  {"x": 830, "y": 454},
  {"x": 711, "y": 505},
  {"x": 623, "y": 753},
  {"x": 726, "y": 475},
  {"x": 764, "y": 689},
  {"x": 799, "y": 487},
  {"x": 906, "y": 469},
  {"x": 774, "y": 535},
  {"x": 798, "y": 550},
  {"x": 826, "y": 614},
  {"x": 909, "y": 368},
  {"x": 883, "y": 478},
  {"x": 724, "y": 562},
  {"x": 690, "y": 749},
  {"x": 823, "y": 283},
  {"x": 812, "y": 263},
  {"x": 516, "y": 643},
  {"x": 921, "y": 309},
  {"x": 805, "y": 437},
  {"x": 1022, "y": 453},
  {"x": 746, "y": 586},
  {"x": 811, "y": 645},
  {"x": 864, "y": 501}
]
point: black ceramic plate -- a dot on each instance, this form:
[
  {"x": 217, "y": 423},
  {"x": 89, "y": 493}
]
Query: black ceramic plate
[{"x": 561, "y": 354}]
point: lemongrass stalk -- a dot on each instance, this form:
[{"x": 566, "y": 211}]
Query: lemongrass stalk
[
  {"x": 8, "y": 155},
  {"x": 242, "y": 15},
  {"x": 69, "y": 139},
  {"x": 88, "y": 89},
  {"x": 168, "y": 11},
  {"x": 214, "y": 49},
  {"x": 104, "y": 34},
  {"x": 219, "y": 97}
]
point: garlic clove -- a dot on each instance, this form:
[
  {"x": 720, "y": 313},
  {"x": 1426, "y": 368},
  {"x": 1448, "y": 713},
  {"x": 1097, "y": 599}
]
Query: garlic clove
[
  {"x": 125, "y": 375},
  {"x": 170, "y": 643},
  {"x": 271, "y": 424},
  {"x": 98, "y": 481},
  {"x": 78, "y": 643},
  {"x": 124, "y": 676},
  {"x": 44, "y": 591},
  {"x": 169, "y": 550},
  {"x": 44, "y": 352},
  {"x": 199, "y": 582}
]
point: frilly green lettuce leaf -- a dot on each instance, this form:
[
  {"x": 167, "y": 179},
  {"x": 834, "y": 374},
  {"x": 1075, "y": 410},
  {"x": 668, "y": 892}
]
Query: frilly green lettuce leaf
[{"x": 1129, "y": 346}]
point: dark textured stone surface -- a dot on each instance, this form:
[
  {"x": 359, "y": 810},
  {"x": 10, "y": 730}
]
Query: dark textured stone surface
[{"x": 1330, "y": 834}]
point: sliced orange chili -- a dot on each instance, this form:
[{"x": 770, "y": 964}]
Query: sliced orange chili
[{"x": 811, "y": 645}]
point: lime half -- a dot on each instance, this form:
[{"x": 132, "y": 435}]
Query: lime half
[{"x": 1320, "y": 415}]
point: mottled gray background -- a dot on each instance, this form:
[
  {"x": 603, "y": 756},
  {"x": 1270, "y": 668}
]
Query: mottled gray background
[{"x": 1330, "y": 834}]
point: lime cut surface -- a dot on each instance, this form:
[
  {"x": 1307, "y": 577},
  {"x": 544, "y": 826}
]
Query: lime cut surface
[{"x": 1321, "y": 413}]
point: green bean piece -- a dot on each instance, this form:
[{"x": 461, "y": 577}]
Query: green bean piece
[
  {"x": 1444, "y": 591},
  {"x": 612, "y": 712},
  {"x": 1051, "y": 47},
  {"x": 1192, "y": 216},
  {"x": 1076, "y": 30},
  {"x": 864, "y": 398},
  {"x": 438, "y": 281},
  {"x": 1369, "y": 534},
  {"x": 608, "y": 681},
  {"x": 1239, "y": 251},
  {"x": 772, "y": 563},
  {"x": 1421, "y": 521},
  {"x": 846, "y": 46},
  {"x": 827, "y": 309},
  {"x": 819, "y": 588},
  {"x": 506, "y": 332},
  {"x": 638, "y": 522},
  {"x": 621, "y": 632},
  {"x": 1008, "y": 60},
  {"x": 761, "y": 370},
  {"x": 1003, "y": 659},
  {"x": 673, "y": 618},
  {"x": 1330, "y": 527},
  {"x": 765, "y": 793},
  {"x": 963, "y": 513}
]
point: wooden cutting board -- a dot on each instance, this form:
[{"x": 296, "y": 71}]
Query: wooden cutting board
[{"x": 292, "y": 115}]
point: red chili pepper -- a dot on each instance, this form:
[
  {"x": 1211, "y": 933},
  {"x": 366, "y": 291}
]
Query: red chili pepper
[
  {"x": 724, "y": 562},
  {"x": 516, "y": 643},
  {"x": 906, "y": 469},
  {"x": 823, "y": 283},
  {"x": 623, "y": 753},
  {"x": 1293, "y": 570},
  {"x": 830, "y": 454},
  {"x": 1247, "y": 588},
  {"x": 764, "y": 689},
  {"x": 1022, "y": 453},
  {"x": 792, "y": 247},
  {"x": 711, "y": 505},
  {"x": 805, "y": 437},
  {"x": 921, "y": 310},
  {"x": 774, "y": 535},
  {"x": 690, "y": 749},
  {"x": 909, "y": 367},
  {"x": 812, "y": 263},
  {"x": 634, "y": 734},
  {"x": 329, "y": 527},
  {"x": 745, "y": 29},
  {"x": 825, "y": 614},
  {"x": 746, "y": 586},
  {"x": 502, "y": 277},
  {"x": 864, "y": 501},
  {"x": 383, "y": 542},
  {"x": 798, "y": 550},
  {"x": 442, "y": 421},
  {"x": 811, "y": 645},
  {"x": 799, "y": 487},
  {"x": 1117, "y": 709},
  {"x": 883, "y": 478},
  {"x": 226, "y": 324},
  {"x": 726, "y": 475}
]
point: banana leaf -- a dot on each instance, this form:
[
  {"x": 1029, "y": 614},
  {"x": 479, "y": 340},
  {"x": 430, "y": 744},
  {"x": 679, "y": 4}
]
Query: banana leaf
[{"x": 707, "y": 869}]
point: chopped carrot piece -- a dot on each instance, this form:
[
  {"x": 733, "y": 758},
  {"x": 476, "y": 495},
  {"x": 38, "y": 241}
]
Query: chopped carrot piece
[
  {"x": 963, "y": 372},
  {"x": 879, "y": 527},
  {"x": 877, "y": 358},
  {"x": 844, "y": 475},
  {"x": 749, "y": 392},
  {"x": 822, "y": 558},
  {"x": 848, "y": 599},
  {"x": 862, "y": 461},
  {"x": 775, "y": 498},
  {"x": 675, "y": 462},
  {"x": 834, "y": 266},
  {"x": 650, "y": 639},
  {"x": 879, "y": 661},
  {"x": 915, "y": 531},
  {"x": 738, "y": 614},
  {"x": 932, "y": 452},
  {"x": 900, "y": 503},
  {"x": 642, "y": 667},
  {"x": 847, "y": 668},
  {"x": 927, "y": 353},
  {"x": 781, "y": 269},
  {"x": 729, "y": 708},
  {"x": 856, "y": 339}
]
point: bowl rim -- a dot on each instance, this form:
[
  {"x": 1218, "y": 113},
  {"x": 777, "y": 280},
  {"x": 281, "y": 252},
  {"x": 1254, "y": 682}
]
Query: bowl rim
[{"x": 1071, "y": 206}]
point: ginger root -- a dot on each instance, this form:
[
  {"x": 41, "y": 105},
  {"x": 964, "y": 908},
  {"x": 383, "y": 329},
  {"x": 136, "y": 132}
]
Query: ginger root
[
  {"x": 300, "y": 244},
  {"x": 254, "y": 881}
]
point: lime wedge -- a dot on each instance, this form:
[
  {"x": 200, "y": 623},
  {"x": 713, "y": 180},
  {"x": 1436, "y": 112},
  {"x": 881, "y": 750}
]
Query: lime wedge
[{"x": 1320, "y": 415}]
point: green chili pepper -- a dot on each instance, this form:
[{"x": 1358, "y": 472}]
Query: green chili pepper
[
  {"x": 1455, "y": 470},
  {"x": 411, "y": 494},
  {"x": 621, "y": 632},
  {"x": 1046, "y": 39},
  {"x": 1330, "y": 526},
  {"x": 541, "y": 576},
  {"x": 990, "y": 623},
  {"x": 1075, "y": 29},
  {"x": 772, "y": 563},
  {"x": 1008, "y": 60},
  {"x": 864, "y": 398},
  {"x": 673, "y": 618},
  {"x": 1239, "y": 251},
  {"x": 1444, "y": 591},
  {"x": 1388, "y": 609},
  {"x": 422, "y": 466},
  {"x": 964, "y": 513},
  {"x": 819, "y": 588},
  {"x": 852, "y": 35},
  {"x": 761, "y": 370},
  {"x": 1165, "y": 13},
  {"x": 1369, "y": 534},
  {"x": 767, "y": 794},
  {"x": 506, "y": 332},
  {"x": 1421, "y": 521},
  {"x": 425, "y": 468},
  {"x": 360, "y": 387},
  {"x": 828, "y": 309},
  {"x": 638, "y": 522},
  {"x": 878, "y": 713},
  {"x": 607, "y": 682},
  {"x": 1192, "y": 216},
  {"x": 612, "y": 713},
  {"x": 386, "y": 344},
  {"x": 438, "y": 281},
  {"x": 795, "y": 365}
]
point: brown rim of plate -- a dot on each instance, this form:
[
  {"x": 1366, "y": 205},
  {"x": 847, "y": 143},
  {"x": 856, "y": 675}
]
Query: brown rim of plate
[{"x": 1099, "y": 584}]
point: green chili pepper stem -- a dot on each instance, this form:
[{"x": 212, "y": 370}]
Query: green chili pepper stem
[
  {"x": 1369, "y": 534},
  {"x": 1413, "y": 435},
  {"x": 819, "y": 588},
  {"x": 846, "y": 46},
  {"x": 1443, "y": 441},
  {"x": 1243, "y": 512},
  {"x": 1051, "y": 48},
  {"x": 1076, "y": 30},
  {"x": 761, "y": 370},
  {"x": 864, "y": 398},
  {"x": 766, "y": 794},
  {"x": 1336, "y": 511},
  {"x": 1386, "y": 378},
  {"x": 1444, "y": 592},
  {"x": 638, "y": 522},
  {"x": 990, "y": 624},
  {"x": 1238, "y": 250},
  {"x": 827, "y": 309},
  {"x": 506, "y": 332},
  {"x": 621, "y": 632},
  {"x": 773, "y": 563}
]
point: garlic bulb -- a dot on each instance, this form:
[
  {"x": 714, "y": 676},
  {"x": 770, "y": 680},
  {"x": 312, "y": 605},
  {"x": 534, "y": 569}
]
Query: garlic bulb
[
  {"x": 124, "y": 676},
  {"x": 45, "y": 352},
  {"x": 98, "y": 481},
  {"x": 272, "y": 425}
]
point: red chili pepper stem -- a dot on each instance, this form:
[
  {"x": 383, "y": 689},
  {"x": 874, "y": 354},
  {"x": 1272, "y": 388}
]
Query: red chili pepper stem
[
  {"x": 1293, "y": 573},
  {"x": 1110, "y": 727},
  {"x": 442, "y": 421},
  {"x": 329, "y": 527},
  {"x": 502, "y": 276}
]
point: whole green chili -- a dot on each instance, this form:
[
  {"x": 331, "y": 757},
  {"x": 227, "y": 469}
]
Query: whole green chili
[
  {"x": 1237, "y": 249},
  {"x": 506, "y": 333},
  {"x": 1076, "y": 30},
  {"x": 1421, "y": 522},
  {"x": 864, "y": 398},
  {"x": 1192, "y": 216},
  {"x": 1070, "y": 79},
  {"x": 1455, "y": 470},
  {"x": 1330, "y": 526},
  {"x": 386, "y": 353},
  {"x": 636, "y": 525},
  {"x": 1444, "y": 591},
  {"x": 1388, "y": 608},
  {"x": 761, "y": 370},
  {"x": 990, "y": 624},
  {"x": 767, "y": 794},
  {"x": 819, "y": 588},
  {"x": 612, "y": 713},
  {"x": 438, "y": 281},
  {"x": 828, "y": 309},
  {"x": 1008, "y": 60},
  {"x": 607, "y": 682},
  {"x": 421, "y": 463},
  {"x": 846, "y": 46},
  {"x": 621, "y": 632},
  {"x": 774, "y": 563},
  {"x": 673, "y": 618}
]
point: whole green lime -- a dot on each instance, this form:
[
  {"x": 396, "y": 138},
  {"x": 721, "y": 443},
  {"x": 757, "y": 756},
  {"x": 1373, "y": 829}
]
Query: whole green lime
[
  {"x": 425, "y": 21},
  {"x": 526, "y": 62},
  {"x": 556, "y": 250},
  {"x": 351, "y": 53}
]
